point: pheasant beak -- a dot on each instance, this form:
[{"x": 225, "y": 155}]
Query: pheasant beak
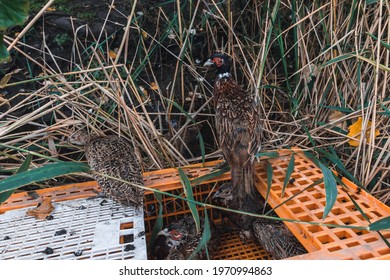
[
  {"x": 216, "y": 194},
  {"x": 163, "y": 232},
  {"x": 208, "y": 63}
]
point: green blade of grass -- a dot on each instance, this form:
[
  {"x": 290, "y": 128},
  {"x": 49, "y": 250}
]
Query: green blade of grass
[
  {"x": 270, "y": 173},
  {"x": 329, "y": 183},
  {"x": 46, "y": 172},
  {"x": 189, "y": 194},
  {"x": 206, "y": 236},
  {"x": 273, "y": 154},
  {"x": 290, "y": 169},
  {"x": 159, "y": 221},
  {"x": 330, "y": 189},
  {"x": 382, "y": 224},
  {"x": 24, "y": 167},
  {"x": 387, "y": 46},
  {"x": 210, "y": 176}
]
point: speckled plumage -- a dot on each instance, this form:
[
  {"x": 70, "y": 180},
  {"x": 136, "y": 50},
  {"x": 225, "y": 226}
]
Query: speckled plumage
[
  {"x": 115, "y": 157},
  {"x": 272, "y": 235},
  {"x": 179, "y": 240},
  {"x": 277, "y": 239},
  {"x": 237, "y": 125}
]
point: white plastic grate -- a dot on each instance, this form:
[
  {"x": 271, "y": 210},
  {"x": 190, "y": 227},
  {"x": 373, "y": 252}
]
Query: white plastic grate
[{"x": 93, "y": 228}]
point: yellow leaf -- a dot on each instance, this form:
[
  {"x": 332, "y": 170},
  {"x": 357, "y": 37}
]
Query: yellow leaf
[
  {"x": 144, "y": 34},
  {"x": 43, "y": 210},
  {"x": 355, "y": 131},
  {"x": 51, "y": 9},
  {"x": 153, "y": 86},
  {"x": 112, "y": 54}
]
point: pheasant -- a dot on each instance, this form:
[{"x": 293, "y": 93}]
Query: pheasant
[
  {"x": 272, "y": 235},
  {"x": 237, "y": 125},
  {"x": 179, "y": 240},
  {"x": 115, "y": 157}
]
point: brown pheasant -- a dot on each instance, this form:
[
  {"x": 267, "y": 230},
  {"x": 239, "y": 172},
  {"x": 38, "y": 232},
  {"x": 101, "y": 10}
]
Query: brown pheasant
[
  {"x": 113, "y": 156},
  {"x": 272, "y": 235},
  {"x": 237, "y": 124}
]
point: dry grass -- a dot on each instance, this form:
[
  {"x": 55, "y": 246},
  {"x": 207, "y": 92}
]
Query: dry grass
[{"x": 291, "y": 54}]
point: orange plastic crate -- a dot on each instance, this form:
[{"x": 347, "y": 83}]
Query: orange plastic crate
[{"x": 320, "y": 241}]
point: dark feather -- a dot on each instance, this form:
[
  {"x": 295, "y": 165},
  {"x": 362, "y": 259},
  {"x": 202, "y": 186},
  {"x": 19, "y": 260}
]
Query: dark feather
[
  {"x": 272, "y": 235},
  {"x": 237, "y": 124}
]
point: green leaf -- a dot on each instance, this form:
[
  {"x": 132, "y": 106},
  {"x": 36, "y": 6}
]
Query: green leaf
[
  {"x": 24, "y": 167},
  {"x": 40, "y": 174},
  {"x": 330, "y": 188},
  {"x": 369, "y": 2},
  {"x": 13, "y": 12},
  {"x": 290, "y": 169},
  {"x": 268, "y": 154},
  {"x": 337, "y": 108},
  {"x": 270, "y": 173},
  {"x": 387, "y": 111},
  {"x": 338, "y": 59},
  {"x": 210, "y": 176},
  {"x": 4, "y": 54},
  {"x": 159, "y": 221},
  {"x": 382, "y": 224},
  {"x": 189, "y": 194},
  {"x": 387, "y": 46},
  {"x": 206, "y": 236}
]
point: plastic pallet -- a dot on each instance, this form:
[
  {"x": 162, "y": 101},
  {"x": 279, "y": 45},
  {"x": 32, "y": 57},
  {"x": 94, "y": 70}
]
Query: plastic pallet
[
  {"x": 81, "y": 228},
  {"x": 323, "y": 242}
]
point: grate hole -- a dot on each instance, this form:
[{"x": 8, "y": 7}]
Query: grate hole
[
  {"x": 278, "y": 174},
  {"x": 297, "y": 210},
  {"x": 360, "y": 217},
  {"x": 384, "y": 251},
  {"x": 359, "y": 232},
  {"x": 348, "y": 221},
  {"x": 305, "y": 218},
  {"x": 303, "y": 182},
  {"x": 312, "y": 206},
  {"x": 342, "y": 199},
  {"x": 337, "y": 211},
  {"x": 318, "y": 195},
  {"x": 353, "y": 244},
  {"x": 276, "y": 187},
  {"x": 303, "y": 199},
  {"x": 366, "y": 256},
  {"x": 294, "y": 192},
  {"x": 325, "y": 239},
  {"x": 290, "y": 202},
  {"x": 351, "y": 208},
  {"x": 314, "y": 229},
  {"x": 127, "y": 225},
  {"x": 377, "y": 214},
  {"x": 365, "y": 205},
  {"x": 319, "y": 215},
  {"x": 343, "y": 235},
  {"x": 371, "y": 239},
  {"x": 335, "y": 248}
]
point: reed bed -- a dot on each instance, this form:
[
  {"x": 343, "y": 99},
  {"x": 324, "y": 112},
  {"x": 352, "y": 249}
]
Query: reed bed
[{"x": 315, "y": 67}]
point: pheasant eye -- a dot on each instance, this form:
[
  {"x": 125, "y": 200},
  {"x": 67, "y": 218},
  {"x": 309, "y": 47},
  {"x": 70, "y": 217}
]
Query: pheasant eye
[{"x": 218, "y": 61}]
